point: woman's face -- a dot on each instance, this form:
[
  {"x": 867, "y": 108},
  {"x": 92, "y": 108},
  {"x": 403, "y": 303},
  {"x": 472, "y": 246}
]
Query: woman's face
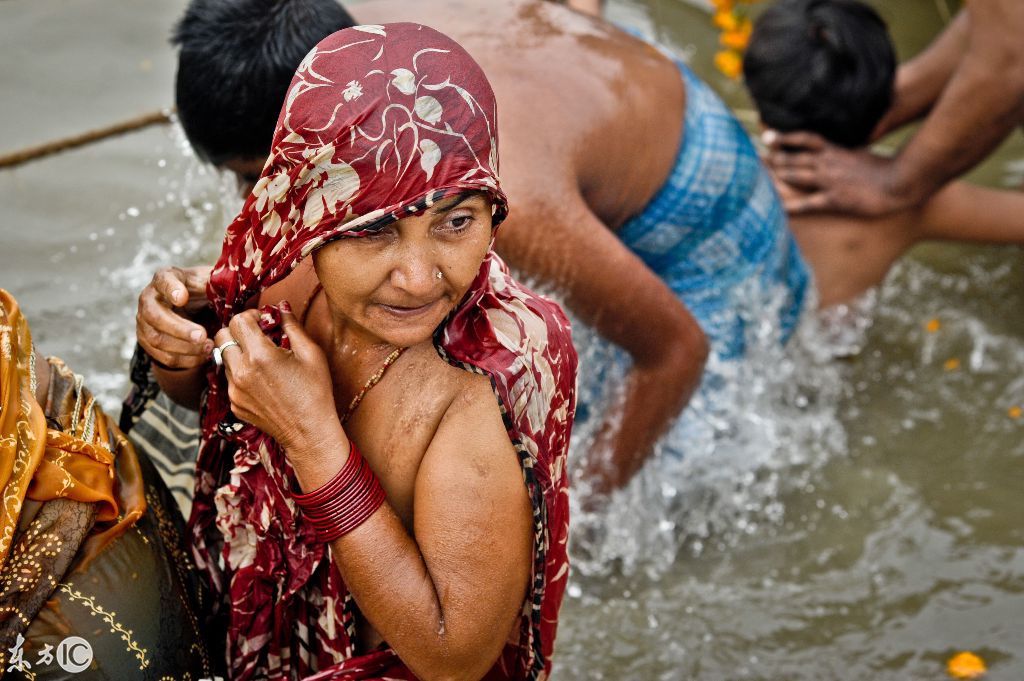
[{"x": 388, "y": 283}]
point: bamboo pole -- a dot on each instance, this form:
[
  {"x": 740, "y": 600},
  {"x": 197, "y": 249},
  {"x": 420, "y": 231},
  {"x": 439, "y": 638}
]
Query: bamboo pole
[{"x": 23, "y": 156}]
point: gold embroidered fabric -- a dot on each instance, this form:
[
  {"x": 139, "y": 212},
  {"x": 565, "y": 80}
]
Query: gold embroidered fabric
[
  {"x": 72, "y": 457},
  {"x": 63, "y": 502}
]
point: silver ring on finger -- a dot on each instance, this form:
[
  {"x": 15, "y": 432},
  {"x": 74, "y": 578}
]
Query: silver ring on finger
[{"x": 218, "y": 352}]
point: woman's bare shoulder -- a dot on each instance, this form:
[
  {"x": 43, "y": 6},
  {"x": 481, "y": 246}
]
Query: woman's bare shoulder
[{"x": 464, "y": 392}]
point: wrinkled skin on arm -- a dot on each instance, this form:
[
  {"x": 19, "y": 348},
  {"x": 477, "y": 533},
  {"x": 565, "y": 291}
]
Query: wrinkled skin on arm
[
  {"x": 981, "y": 103},
  {"x": 445, "y": 586},
  {"x": 592, "y": 7}
]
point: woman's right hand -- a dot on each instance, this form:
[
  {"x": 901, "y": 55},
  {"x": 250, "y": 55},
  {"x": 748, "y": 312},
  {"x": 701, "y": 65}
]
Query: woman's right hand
[{"x": 163, "y": 323}]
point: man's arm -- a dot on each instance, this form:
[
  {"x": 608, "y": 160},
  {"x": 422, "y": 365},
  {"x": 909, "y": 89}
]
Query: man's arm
[
  {"x": 606, "y": 286},
  {"x": 981, "y": 104},
  {"x": 920, "y": 81},
  {"x": 967, "y": 212}
]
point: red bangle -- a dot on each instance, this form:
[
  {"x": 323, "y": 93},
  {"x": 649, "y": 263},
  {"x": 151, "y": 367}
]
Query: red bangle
[{"x": 345, "y": 501}]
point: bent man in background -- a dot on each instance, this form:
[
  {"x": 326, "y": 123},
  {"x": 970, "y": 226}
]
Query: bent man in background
[
  {"x": 829, "y": 67},
  {"x": 644, "y": 205},
  {"x": 967, "y": 88}
]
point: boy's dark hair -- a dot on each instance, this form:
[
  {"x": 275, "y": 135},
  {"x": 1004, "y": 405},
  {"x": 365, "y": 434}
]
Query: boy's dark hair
[
  {"x": 236, "y": 62},
  {"x": 826, "y": 66}
]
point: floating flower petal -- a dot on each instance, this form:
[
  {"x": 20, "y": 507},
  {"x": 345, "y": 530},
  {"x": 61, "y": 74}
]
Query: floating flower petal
[{"x": 966, "y": 665}]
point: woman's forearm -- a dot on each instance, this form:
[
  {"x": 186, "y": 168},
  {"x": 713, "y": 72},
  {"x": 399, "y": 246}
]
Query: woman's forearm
[
  {"x": 185, "y": 387},
  {"x": 392, "y": 584},
  {"x": 42, "y": 379}
]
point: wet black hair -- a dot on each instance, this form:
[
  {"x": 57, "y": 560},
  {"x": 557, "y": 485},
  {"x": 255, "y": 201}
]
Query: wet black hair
[
  {"x": 827, "y": 66},
  {"x": 236, "y": 61}
]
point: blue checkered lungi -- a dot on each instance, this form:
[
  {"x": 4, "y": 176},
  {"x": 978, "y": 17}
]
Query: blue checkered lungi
[{"x": 716, "y": 231}]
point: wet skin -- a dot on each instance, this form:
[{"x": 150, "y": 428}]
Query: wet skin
[
  {"x": 590, "y": 123},
  {"x": 968, "y": 88},
  {"x": 440, "y": 571}
]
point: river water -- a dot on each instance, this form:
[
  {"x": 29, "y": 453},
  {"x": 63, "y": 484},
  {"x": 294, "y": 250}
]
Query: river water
[{"x": 832, "y": 520}]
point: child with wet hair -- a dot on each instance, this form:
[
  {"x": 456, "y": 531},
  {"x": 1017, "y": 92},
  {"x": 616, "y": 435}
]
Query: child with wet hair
[{"x": 828, "y": 67}]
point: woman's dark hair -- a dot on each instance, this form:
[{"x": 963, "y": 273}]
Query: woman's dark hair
[
  {"x": 826, "y": 66},
  {"x": 237, "y": 59}
]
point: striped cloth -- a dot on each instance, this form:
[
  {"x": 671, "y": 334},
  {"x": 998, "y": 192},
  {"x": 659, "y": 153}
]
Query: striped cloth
[
  {"x": 169, "y": 435},
  {"x": 716, "y": 232},
  {"x": 162, "y": 430}
]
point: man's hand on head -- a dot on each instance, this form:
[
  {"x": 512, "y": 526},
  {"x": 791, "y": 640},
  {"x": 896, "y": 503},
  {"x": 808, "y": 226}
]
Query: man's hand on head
[{"x": 817, "y": 176}]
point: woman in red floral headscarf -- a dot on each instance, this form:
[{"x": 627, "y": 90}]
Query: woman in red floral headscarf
[{"x": 366, "y": 516}]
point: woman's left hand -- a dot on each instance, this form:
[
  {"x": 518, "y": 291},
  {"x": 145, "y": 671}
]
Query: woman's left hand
[{"x": 285, "y": 393}]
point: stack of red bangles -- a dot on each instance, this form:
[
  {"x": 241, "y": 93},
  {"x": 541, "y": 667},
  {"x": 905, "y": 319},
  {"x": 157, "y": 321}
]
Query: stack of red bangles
[{"x": 345, "y": 502}]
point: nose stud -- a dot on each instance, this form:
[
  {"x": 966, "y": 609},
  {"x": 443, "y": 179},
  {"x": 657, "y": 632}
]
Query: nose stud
[{"x": 439, "y": 274}]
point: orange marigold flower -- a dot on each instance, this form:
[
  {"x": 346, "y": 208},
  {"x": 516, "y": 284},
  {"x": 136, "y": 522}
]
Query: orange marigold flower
[
  {"x": 729, "y": 63},
  {"x": 933, "y": 325},
  {"x": 725, "y": 20},
  {"x": 1015, "y": 412},
  {"x": 966, "y": 665},
  {"x": 952, "y": 364},
  {"x": 739, "y": 38},
  {"x": 723, "y": 5}
]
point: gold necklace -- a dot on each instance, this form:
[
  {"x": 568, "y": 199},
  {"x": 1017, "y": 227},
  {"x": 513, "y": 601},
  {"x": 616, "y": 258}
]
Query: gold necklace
[{"x": 374, "y": 380}]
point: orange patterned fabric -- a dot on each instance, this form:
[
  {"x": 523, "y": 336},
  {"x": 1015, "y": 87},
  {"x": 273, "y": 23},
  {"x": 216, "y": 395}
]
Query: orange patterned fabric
[{"x": 42, "y": 463}]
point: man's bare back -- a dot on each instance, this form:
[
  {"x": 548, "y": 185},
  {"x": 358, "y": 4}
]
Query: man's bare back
[
  {"x": 591, "y": 122},
  {"x": 594, "y": 162},
  {"x": 584, "y": 108}
]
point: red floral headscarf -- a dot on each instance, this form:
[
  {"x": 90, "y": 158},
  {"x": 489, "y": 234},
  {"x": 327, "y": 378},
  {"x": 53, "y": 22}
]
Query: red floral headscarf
[{"x": 379, "y": 123}]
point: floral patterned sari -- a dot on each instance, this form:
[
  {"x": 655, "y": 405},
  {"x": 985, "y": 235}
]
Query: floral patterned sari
[{"x": 379, "y": 122}]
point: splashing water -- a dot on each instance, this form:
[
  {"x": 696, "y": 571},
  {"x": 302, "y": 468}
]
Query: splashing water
[
  {"x": 182, "y": 227},
  {"x": 802, "y": 535},
  {"x": 718, "y": 472}
]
